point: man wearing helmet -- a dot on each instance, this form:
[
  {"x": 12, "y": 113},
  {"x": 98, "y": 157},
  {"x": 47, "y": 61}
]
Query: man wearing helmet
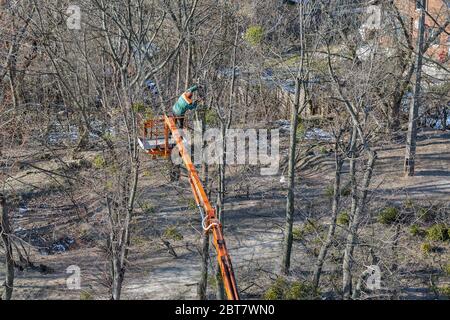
[{"x": 184, "y": 104}]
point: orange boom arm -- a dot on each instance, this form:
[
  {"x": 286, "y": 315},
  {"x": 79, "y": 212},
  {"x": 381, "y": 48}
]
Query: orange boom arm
[{"x": 209, "y": 218}]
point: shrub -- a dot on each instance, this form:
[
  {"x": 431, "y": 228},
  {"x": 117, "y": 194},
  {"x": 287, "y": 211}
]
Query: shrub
[
  {"x": 297, "y": 233},
  {"x": 301, "y": 291},
  {"x": 84, "y": 295},
  {"x": 445, "y": 291},
  {"x": 99, "y": 162},
  {"x": 254, "y": 35},
  {"x": 276, "y": 290},
  {"x": 108, "y": 136},
  {"x": 192, "y": 205},
  {"x": 109, "y": 185},
  {"x": 323, "y": 150},
  {"x": 138, "y": 241},
  {"x": 301, "y": 129},
  {"x": 138, "y": 107},
  {"x": 312, "y": 226},
  {"x": 210, "y": 117},
  {"x": 426, "y": 247},
  {"x": 446, "y": 269},
  {"x": 329, "y": 191},
  {"x": 148, "y": 113},
  {"x": 147, "y": 173},
  {"x": 173, "y": 233},
  {"x": 388, "y": 215},
  {"x": 212, "y": 281},
  {"x": 438, "y": 232},
  {"x": 148, "y": 207},
  {"x": 416, "y": 231},
  {"x": 408, "y": 204},
  {"x": 281, "y": 289},
  {"x": 343, "y": 218}
]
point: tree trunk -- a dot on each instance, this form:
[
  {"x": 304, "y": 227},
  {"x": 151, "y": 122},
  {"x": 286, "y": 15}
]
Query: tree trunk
[
  {"x": 347, "y": 276},
  {"x": 117, "y": 278},
  {"x": 287, "y": 243},
  {"x": 220, "y": 204},
  {"x": 331, "y": 230},
  {"x": 225, "y": 125},
  {"x": 177, "y": 85},
  {"x": 353, "y": 229},
  {"x": 411, "y": 141},
  {"x": 346, "y": 272},
  {"x": 395, "y": 114},
  {"x": 120, "y": 233},
  {"x": 4, "y": 232},
  {"x": 395, "y": 247},
  {"x": 444, "y": 120},
  {"x": 398, "y": 97},
  {"x": 203, "y": 284},
  {"x": 188, "y": 62},
  {"x": 83, "y": 137},
  {"x": 300, "y": 93}
]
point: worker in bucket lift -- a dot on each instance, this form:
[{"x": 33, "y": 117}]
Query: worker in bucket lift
[{"x": 184, "y": 104}]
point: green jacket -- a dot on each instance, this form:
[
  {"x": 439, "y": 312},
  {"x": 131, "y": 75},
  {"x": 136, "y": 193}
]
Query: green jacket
[{"x": 184, "y": 104}]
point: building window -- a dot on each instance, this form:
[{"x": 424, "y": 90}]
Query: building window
[
  {"x": 431, "y": 33},
  {"x": 420, "y": 3}
]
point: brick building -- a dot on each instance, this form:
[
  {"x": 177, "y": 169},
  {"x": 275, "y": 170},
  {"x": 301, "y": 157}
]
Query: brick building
[{"x": 439, "y": 10}]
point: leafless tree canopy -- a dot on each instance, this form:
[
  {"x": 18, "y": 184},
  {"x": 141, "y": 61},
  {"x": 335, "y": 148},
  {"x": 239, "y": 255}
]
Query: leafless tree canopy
[{"x": 358, "y": 91}]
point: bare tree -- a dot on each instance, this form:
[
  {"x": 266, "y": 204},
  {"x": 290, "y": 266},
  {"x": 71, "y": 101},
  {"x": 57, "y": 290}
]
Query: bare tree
[
  {"x": 5, "y": 233},
  {"x": 304, "y": 10},
  {"x": 411, "y": 142},
  {"x": 339, "y": 161}
]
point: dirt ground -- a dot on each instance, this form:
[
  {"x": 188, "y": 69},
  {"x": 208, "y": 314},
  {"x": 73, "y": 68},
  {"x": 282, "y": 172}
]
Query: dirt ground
[
  {"x": 253, "y": 228},
  {"x": 432, "y": 179}
]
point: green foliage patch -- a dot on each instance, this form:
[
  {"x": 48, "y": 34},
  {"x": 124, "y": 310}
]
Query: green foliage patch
[
  {"x": 416, "y": 231},
  {"x": 343, "y": 218},
  {"x": 173, "y": 233},
  {"x": 254, "y": 35},
  {"x": 388, "y": 215},
  {"x": 282, "y": 289},
  {"x": 438, "y": 232}
]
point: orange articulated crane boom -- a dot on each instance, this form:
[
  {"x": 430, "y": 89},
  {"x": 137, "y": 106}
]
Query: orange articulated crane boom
[{"x": 210, "y": 223}]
